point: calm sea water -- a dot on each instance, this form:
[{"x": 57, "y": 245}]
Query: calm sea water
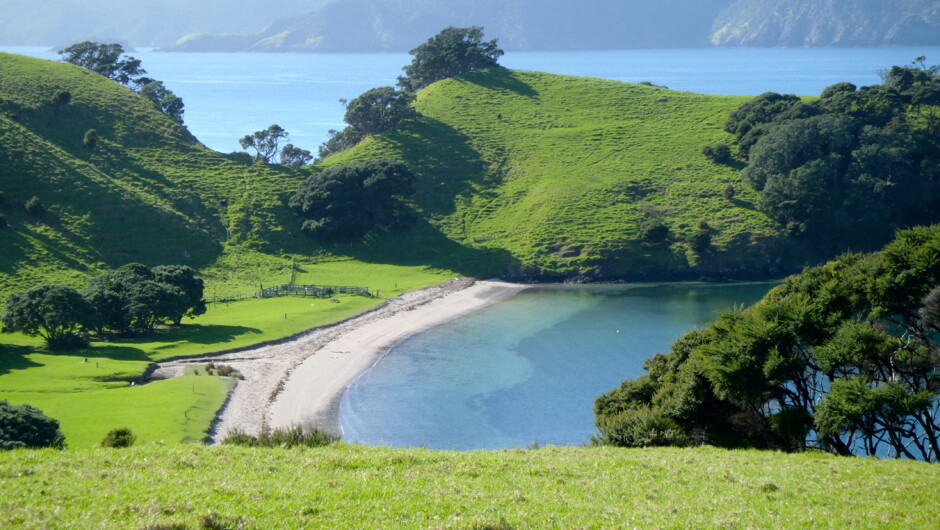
[
  {"x": 230, "y": 95},
  {"x": 527, "y": 369}
]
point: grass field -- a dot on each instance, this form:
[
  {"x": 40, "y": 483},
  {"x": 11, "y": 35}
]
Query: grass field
[
  {"x": 87, "y": 390},
  {"x": 350, "y": 486}
]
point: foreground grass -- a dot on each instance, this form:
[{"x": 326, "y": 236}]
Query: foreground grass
[{"x": 358, "y": 487}]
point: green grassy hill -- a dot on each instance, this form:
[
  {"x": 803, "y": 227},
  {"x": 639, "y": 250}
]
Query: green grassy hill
[
  {"x": 551, "y": 176},
  {"x": 349, "y": 486}
]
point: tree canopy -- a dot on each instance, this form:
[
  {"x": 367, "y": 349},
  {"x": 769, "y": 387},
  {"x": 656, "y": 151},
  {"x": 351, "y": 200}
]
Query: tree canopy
[
  {"x": 57, "y": 313},
  {"x": 345, "y": 202},
  {"x": 268, "y": 149},
  {"x": 104, "y": 59},
  {"x": 451, "y": 52},
  {"x": 378, "y": 110},
  {"x": 164, "y": 99},
  {"x": 843, "y": 357},
  {"x": 850, "y": 167}
]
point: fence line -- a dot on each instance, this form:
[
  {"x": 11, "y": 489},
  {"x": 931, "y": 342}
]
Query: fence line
[{"x": 316, "y": 291}]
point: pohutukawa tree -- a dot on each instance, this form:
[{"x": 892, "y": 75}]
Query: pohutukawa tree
[
  {"x": 57, "y": 313},
  {"x": 452, "y": 52}
]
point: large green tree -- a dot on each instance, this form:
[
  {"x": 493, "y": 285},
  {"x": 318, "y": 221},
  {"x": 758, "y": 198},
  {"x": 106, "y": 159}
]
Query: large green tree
[
  {"x": 345, "y": 202},
  {"x": 378, "y": 110},
  {"x": 164, "y": 99},
  {"x": 57, "y": 313},
  {"x": 451, "y": 52},
  {"x": 104, "y": 59},
  {"x": 844, "y": 357},
  {"x": 192, "y": 288}
]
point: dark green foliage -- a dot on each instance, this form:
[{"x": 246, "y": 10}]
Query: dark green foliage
[
  {"x": 339, "y": 141},
  {"x": 57, "y": 313},
  {"x": 267, "y": 146},
  {"x": 378, "y": 110},
  {"x": 292, "y": 156},
  {"x": 90, "y": 140},
  {"x": 451, "y": 52},
  {"x": 104, "y": 59},
  {"x": 729, "y": 192},
  {"x": 842, "y": 357},
  {"x": 719, "y": 153},
  {"x": 701, "y": 240},
  {"x": 288, "y": 437},
  {"x": 653, "y": 233},
  {"x": 136, "y": 298},
  {"x": 25, "y": 426},
  {"x": 847, "y": 169},
  {"x": 34, "y": 206},
  {"x": 3, "y": 221},
  {"x": 61, "y": 99},
  {"x": 344, "y": 203},
  {"x": 120, "y": 437},
  {"x": 192, "y": 288},
  {"x": 164, "y": 99}
]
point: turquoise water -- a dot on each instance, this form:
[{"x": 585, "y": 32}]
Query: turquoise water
[
  {"x": 525, "y": 370},
  {"x": 230, "y": 95}
]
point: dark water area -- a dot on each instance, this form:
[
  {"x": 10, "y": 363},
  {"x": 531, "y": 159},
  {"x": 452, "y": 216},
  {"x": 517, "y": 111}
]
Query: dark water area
[{"x": 525, "y": 370}]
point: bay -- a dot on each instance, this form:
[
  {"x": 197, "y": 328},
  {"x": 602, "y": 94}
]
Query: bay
[
  {"x": 230, "y": 95},
  {"x": 525, "y": 370}
]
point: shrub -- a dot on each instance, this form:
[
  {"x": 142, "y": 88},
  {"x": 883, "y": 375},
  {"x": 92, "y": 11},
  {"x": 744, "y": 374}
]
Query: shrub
[
  {"x": 719, "y": 153},
  {"x": 120, "y": 437},
  {"x": 653, "y": 233},
  {"x": 286, "y": 437},
  {"x": 700, "y": 240},
  {"x": 27, "y": 426},
  {"x": 91, "y": 139},
  {"x": 34, "y": 206},
  {"x": 729, "y": 192},
  {"x": 61, "y": 99}
]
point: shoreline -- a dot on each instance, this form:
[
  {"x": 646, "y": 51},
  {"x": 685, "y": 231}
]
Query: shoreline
[{"x": 301, "y": 380}]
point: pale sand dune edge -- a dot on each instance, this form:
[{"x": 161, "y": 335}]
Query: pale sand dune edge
[{"x": 302, "y": 380}]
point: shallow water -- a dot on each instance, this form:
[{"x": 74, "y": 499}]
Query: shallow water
[{"x": 525, "y": 370}]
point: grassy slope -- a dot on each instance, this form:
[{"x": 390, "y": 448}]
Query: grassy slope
[
  {"x": 559, "y": 184},
  {"x": 358, "y": 487}
]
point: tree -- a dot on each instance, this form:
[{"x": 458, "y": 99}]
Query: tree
[
  {"x": 719, "y": 153},
  {"x": 34, "y": 207},
  {"x": 378, "y": 110},
  {"x": 842, "y": 357},
  {"x": 452, "y": 52},
  {"x": 653, "y": 233},
  {"x": 294, "y": 156},
  {"x": 266, "y": 143},
  {"x": 339, "y": 141},
  {"x": 25, "y": 426},
  {"x": 104, "y": 59},
  {"x": 57, "y": 313},
  {"x": 164, "y": 99},
  {"x": 346, "y": 202},
  {"x": 701, "y": 240},
  {"x": 183, "y": 278}
]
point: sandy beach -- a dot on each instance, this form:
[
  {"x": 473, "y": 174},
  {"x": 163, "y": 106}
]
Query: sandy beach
[{"x": 302, "y": 380}]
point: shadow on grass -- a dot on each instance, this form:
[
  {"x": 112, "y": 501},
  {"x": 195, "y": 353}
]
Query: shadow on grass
[
  {"x": 500, "y": 79},
  {"x": 14, "y": 358},
  {"x": 196, "y": 334},
  {"x": 425, "y": 245}
]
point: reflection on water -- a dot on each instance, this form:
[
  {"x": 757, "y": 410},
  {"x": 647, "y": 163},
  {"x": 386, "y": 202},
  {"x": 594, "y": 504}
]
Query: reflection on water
[{"x": 525, "y": 370}]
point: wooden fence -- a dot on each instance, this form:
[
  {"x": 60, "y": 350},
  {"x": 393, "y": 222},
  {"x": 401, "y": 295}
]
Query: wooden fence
[{"x": 316, "y": 291}]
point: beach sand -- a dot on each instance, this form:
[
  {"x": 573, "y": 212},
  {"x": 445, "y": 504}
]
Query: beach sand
[{"x": 302, "y": 380}]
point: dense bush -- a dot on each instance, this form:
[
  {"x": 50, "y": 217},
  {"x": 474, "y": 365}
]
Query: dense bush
[
  {"x": 27, "y": 426},
  {"x": 296, "y": 436},
  {"x": 120, "y": 437},
  {"x": 90, "y": 140},
  {"x": 344, "y": 203},
  {"x": 842, "y": 358},
  {"x": 719, "y": 153},
  {"x": 57, "y": 313},
  {"x": 849, "y": 168},
  {"x": 653, "y": 233}
]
